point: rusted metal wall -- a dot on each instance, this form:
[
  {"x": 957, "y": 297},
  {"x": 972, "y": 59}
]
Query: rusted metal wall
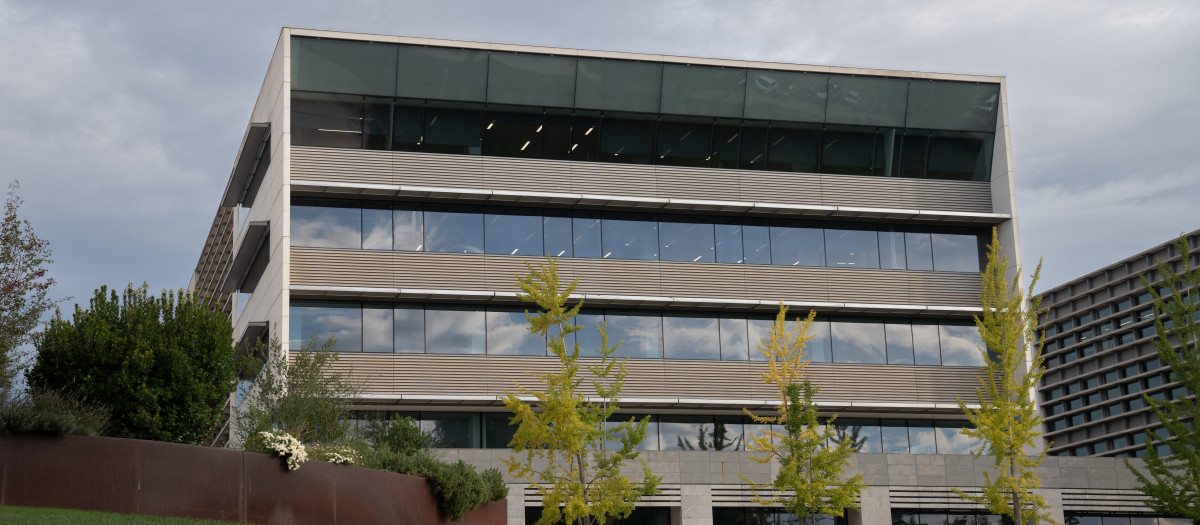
[{"x": 166, "y": 479}]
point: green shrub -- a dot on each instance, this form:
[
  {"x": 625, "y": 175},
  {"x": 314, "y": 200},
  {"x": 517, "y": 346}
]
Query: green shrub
[
  {"x": 52, "y": 412},
  {"x": 457, "y": 486},
  {"x": 401, "y": 435}
]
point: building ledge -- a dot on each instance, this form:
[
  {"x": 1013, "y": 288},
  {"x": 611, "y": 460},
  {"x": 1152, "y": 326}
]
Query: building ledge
[
  {"x": 254, "y": 154},
  {"x": 248, "y": 250}
]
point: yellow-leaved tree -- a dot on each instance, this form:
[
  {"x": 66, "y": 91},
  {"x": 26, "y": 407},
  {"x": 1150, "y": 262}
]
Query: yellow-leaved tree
[
  {"x": 1007, "y": 422},
  {"x": 811, "y": 462},
  {"x": 569, "y": 450}
]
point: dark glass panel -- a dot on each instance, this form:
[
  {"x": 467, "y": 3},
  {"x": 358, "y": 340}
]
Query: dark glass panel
[
  {"x": 847, "y": 150},
  {"x": 887, "y": 152},
  {"x": 729, "y": 243},
  {"x": 508, "y": 334},
  {"x": 340, "y": 121},
  {"x": 651, "y": 441},
  {"x": 498, "y": 431},
  {"x": 913, "y": 153},
  {"x": 512, "y": 234},
  {"x": 726, "y": 143},
  {"x": 640, "y": 333},
  {"x": 513, "y": 133},
  {"x": 756, "y": 242},
  {"x": 753, "y": 152},
  {"x": 959, "y": 156},
  {"x": 686, "y": 241},
  {"x": 894, "y": 434},
  {"x": 691, "y": 337},
  {"x": 818, "y": 347},
  {"x": 343, "y": 66},
  {"x": 376, "y": 226},
  {"x": 377, "y": 328},
  {"x": 703, "y": 90},
  {"x": 758, "y": 329},
  {"x": 407, "y": 228},
  {"x": 454, "y": 330},
  {"x": 851, "y": 248},
  {"x": 589, "y": 337},
  {"x": 921, "y": 438},
  {"x": 557, "y": 239},
  {"x": 953, "y": 252},
  {"x": 734, "y": 345},
  {"x": 871, "y": 101},
  {"x": 960, "y": 344},
  {"x": 586, "y": 233},
  {"x": 531, "y": 80},
  {"x": 684, "y": 141},
  {"x": 797, "y": 245},
  {"x": 793, "y": 147},
  {"x": 556, "y": 131},
  {"x": 451, "y": 128},
  {"x": 938, "y": 104},
  {"x": 858, "y": 341},
  {"x": 786, "y": 95},
  {"x": 950, "y": 439},
  {"x": 326, "y": 225},
  {"x": 452, "y": 429},
  {"x": 453, "y": 231},
  {"x": 926, "y": 343},
  {"x": 408, "y": 125},
  {"x": 727, "y": 434},
  {"x": 627, "y": 138},
  {"x": 891, "y": 248},
  {"x": 409, "y": 323},
  {"x": 325, "y": 320},
  {"x": 633, "y": 238},
  {"x": 863, "y": 434},
  {"x": 441, "y": 73},
  {"x": 684, "y": 432},
  {"x": 585, "y": 136},
  {"x": 618, "y": 85},
  {"x": 899, "y": 342},
  {"x": 918, "y": 247}
]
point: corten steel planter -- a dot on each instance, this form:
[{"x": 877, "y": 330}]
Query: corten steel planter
[{"x": 166, "y": 479}]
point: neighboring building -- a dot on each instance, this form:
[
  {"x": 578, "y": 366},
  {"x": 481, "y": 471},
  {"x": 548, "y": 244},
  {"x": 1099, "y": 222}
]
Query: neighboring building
[
  {"x": 1101, "y": 359},
  {"x": 388, "y": 191}
]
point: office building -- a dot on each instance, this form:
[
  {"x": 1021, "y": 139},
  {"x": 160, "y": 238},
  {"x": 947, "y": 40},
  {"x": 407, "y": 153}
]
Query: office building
[{"x": 388, "y": 191}]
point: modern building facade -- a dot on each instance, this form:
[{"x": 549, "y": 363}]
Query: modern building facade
[
  {"x": 1100, "y": 356},
  {"x": 389, "y": 190}
]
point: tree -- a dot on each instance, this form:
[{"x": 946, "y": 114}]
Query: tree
[
  {"x": 1007, "y": 422},
  {"x": 23, "y": 260},
  {"x": 811, "y": 460},
  {"x": 1172, "y": 483},
  {"x": 565, "y": 437},
  {"x": 163, "y": 366}
]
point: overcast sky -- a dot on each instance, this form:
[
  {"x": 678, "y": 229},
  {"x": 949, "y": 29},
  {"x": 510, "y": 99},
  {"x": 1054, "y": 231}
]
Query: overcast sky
[{"x": 121, "y": 119}]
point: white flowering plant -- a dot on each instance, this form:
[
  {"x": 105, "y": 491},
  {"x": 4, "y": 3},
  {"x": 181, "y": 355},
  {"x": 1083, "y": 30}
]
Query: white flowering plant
[
  {"x": 285, "y": 446},
  {"x": 337, "y": 454}
]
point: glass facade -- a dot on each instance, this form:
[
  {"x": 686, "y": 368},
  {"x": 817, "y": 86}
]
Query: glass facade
[
  {"x": 416, "y": 98},
  {"x": 643, "y": 334},
  {"x": 648, "y": 237}
]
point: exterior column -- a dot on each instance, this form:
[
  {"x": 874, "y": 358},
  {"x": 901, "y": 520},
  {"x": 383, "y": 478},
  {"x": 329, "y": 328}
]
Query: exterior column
[
  {"x": 1054, "y": 500},
  {"x": 516, "y": 504},
  {"x": 876, "y": 508},
  {"x": 695, "y": 505}
]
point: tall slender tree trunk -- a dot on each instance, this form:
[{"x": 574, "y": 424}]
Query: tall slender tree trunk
[{"x": 1018, "y": 516}]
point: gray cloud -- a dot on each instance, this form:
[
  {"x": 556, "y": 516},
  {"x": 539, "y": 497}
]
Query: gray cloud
[{"x": 122, "y": 118}]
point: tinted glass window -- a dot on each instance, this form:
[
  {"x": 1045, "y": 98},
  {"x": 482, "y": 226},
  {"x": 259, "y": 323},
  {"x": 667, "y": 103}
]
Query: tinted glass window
[
  {"x": 513, "y": 133},
  {"x": 408, "y": 124},
  {"x": 756, "y": 243},
  {"x": 950, "y": 439},
  {"x": 797, "y": 246},
  {"x": 753, "y": 153},
  {"x": 891, "y": 248},
  {"x": 686, "y": 241},
  {"x": 921, "y": 438},
  {"x": 585, "y": 136},
  {"x": 339, "y": 121},
  {"x": 343, "y": 66},
  {"x": 691, "y": 337},
  {"x": 377, "y": 328},
  {"x": 621, "y": 85},
  {"x": 508, "y": 334},
  {"x": 894, "y": 434},
  {"x": 845, "y": 248},
  {"x": 847, "y": 151},
  {"x": 914, "y": 149},
  {"x": 442, "y": 74},
  {"x": 887, "y": 153},
  {"x": 513, "y": 234},
  {"x": 452, "y": 429},
  {"x": 918, "y": 248},
  {"x": 683, "y": 142},
  {"x": 640, "y": 334},
  {"x": 682, "y": 432},
  {"x": 627, "y": 138},
  {"x": 862, "y": 433},
  {"x": 871, "y": 101},
  {"x": 758, "y": 330},
  {"x": 407, "y": 228},
  {"x": 533, "y": 80},
  {"x": 729, "y": 243},
  {"x": 703, "y": 90},
  {"x": 451, "y": 129},
  {"x": 409, "y": 323},
  {"x": 453, "y": 232},
  {"x": 955, "y": 252},
  {"x": 557, "y": 236},
  {"x": 376, "y": 227},
  {"x": 636, "y": 238},
  {"x": 498, "y": 431},
  {"x": 937, "y": 104},
  {"x": 960, "y": 345},
  {"x": 734, "y": 345},
  {"x": 326, "y": 226},
  {"x": 786, "y": 95},
  {"x": 818, "y": 348},
  {"x": 926, "y": 346},
  {"x": 899, "y": 343},
  {"x": 959, "y": 156},
  {"x": 589, "y": 337},
  {"x": 726, "y": 144},
  {"x": 454, "y": 330},
  {"x": 322, "y": 321},
  {"x": 793, "y": 147},
  {"x": 858, "y": 342},
  {"x": 586, "y": 234}
]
